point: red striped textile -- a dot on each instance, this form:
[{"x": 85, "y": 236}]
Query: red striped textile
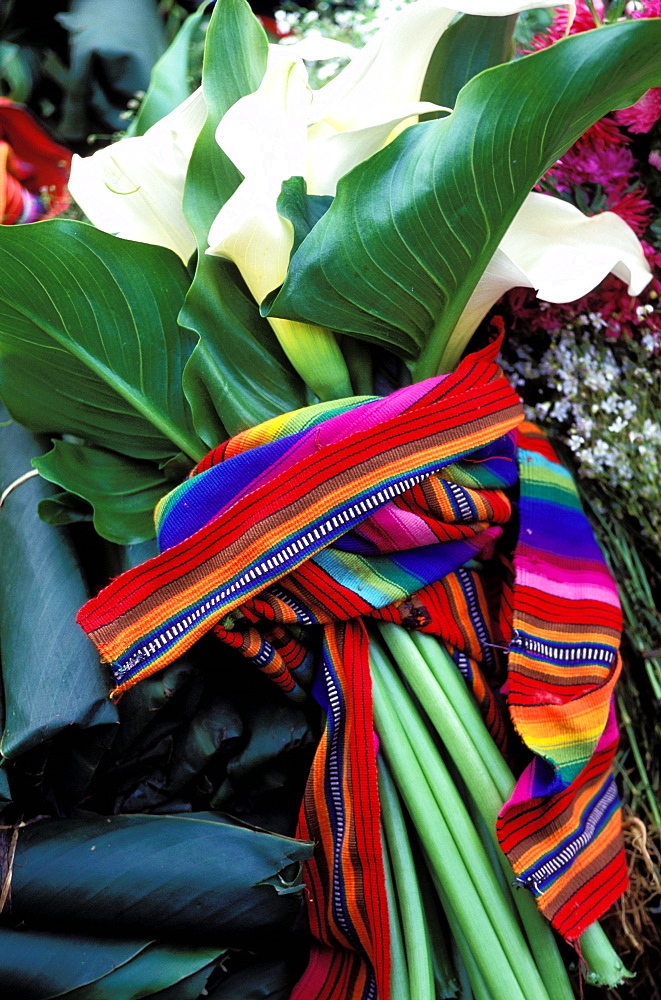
[{"x": 382, "y": 510}]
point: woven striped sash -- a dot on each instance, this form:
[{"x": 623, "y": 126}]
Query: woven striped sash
[{"x": 387, "y": 508}]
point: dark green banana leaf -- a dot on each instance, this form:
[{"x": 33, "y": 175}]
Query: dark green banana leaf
[
  {"x": 238, "y": 375},
  {"x": 43, "y": 965},
  {"x": 51, "y": 673},
  {"x": 466, "y": 176},
  {"x": 198, "y": 878},
  {"x": 265, "y": 980},
  {"x": 162, "y": 970}
]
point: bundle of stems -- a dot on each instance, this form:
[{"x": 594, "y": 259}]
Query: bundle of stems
[
  {"x": 633, "y": 566},
  {"x": 506, "y": 949}
]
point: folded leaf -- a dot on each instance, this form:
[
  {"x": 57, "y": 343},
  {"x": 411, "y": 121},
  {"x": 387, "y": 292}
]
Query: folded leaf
[
  {"x": 52, "y": 679},
  {"x": 40, "y": 965},
  {"x": 88, "y": 328},
  {"x": 44, "y": 965},
  {"x": 122, "y": 491},
  {"x": 198, "y": 877}
]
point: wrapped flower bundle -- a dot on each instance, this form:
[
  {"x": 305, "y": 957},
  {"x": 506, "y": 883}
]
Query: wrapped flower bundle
[{"x": 403, "y": 721}]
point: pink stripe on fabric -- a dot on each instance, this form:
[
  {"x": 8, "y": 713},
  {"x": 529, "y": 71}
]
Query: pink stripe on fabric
[
  {"x": 584, "y": 591},
  {"x": 392, "y": 529}
]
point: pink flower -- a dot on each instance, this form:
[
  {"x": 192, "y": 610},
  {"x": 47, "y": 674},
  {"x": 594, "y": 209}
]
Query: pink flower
[
  {"x": 642, "y": 115},
  {"x": 633, "y": 206},
  {"x": 584, "y": 21}
]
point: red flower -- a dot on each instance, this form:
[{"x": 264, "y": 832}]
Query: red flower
[{"x": 34, "y": 169}]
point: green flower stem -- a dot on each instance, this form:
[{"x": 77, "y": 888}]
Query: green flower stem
[
  {"x": 477, "y": 985},
  {"x": 600, "y": 956},
  {"x": 436, "y": 681},
  {"x": 451, "y": 842},
  {"x": 465, "y": 990},
  {"x": 640, "y": 764},
  {"x": 399, "y": 975},
  {"x": 605, "y": 967},
  {"x": 445, "y": 976},
  {"x": 414, "y": 929}
]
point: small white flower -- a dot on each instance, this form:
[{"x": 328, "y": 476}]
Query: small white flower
[{"x": 618, "y": 425}]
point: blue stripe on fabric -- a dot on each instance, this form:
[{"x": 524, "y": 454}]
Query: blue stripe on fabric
[
  {"x": 550, "y": 867},
  {"x": 204, "y": 496}
]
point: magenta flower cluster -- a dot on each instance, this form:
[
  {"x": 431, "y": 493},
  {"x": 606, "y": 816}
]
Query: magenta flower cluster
[{"x": 601, "y": 173}]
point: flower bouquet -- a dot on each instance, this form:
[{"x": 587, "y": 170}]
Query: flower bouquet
[{"x": 262, "y": 352}]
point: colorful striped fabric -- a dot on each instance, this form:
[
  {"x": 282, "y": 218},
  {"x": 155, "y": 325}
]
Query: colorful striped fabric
[
  {"x": 561, "y": 828},
  {"x": 392, "y": 508}
]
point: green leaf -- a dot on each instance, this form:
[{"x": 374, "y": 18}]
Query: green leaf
[
  {"x": 89, "y": 343},
  {"x": 64, "y": 508},
  {"x": 470, "y": 45},
  {"x": 160, "y": 970},
  {"x": 302, "y": 209},
  {"x": 189, "y": 988},
  {"x": 51, "y": 673},
  {"x": 266, "y": 980},
  {"x": 43, "y": 965},
  {"x": 216, "y": 724},
  {"x": 37, "y": 965},
  {"x": 197, "y": 877},
  {"x": 238, "y": 375},
  {"x": 142, "y": 703},
  {"x": 466, "y": 176},
  {"x": 169, "y": 82},
  {"x": 276, "y": 730},
  {"x": 122, "y": 491}
]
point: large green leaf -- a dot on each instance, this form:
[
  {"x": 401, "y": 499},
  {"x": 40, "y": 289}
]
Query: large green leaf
[
  {"x": 43, "y": 965},
  {"x": 51, "y": 673},
  {"x": 37, "y": 965},
  {"x": 197, "y": 877},
  {"x": 470, "y": 45},
  {"x": 411, "y": 230},
  {"x": 169, "y": 971},
  {"x": 238, "y": 374},
  {"x": 123, "y": 491},
  {"x": 169, "y": 84},
  {"x": 89, "y": 343}
]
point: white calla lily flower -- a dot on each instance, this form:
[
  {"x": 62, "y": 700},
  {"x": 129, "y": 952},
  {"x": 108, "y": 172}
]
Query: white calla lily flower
[
  {"x": 561, "y": 253},
  {"x": 134, "y": 188},
  {"x": 391, "y": 68},
  {"x": 344, "y": 123},
  {"x": 266, "y": 136}
]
